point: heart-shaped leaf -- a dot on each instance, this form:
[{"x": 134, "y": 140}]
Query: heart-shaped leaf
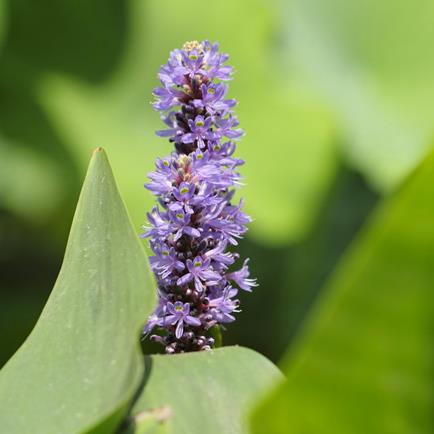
[
  {"x": 364, "y": 364},
  {"x": 82, "y": 363},
  {"x": 207, "y": 392}
]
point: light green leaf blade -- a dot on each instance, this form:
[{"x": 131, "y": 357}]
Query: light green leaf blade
[
  {"x": 206, "y": 392},
  {"x": 365, "y": 362},
  {"x": 150, "y": 421},
  {"x": 372, "y": 62},
  {"x": 22, "y": 166},
  {"x": 82, "y": 362}
]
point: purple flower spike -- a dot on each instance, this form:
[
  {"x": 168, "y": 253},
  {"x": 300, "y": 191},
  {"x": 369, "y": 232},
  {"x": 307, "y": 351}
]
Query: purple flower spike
[{"x": 196, "y": 219}]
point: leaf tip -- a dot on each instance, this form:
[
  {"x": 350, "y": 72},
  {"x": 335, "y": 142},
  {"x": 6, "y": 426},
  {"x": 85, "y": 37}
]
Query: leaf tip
[{"x": 99, "y": 155}]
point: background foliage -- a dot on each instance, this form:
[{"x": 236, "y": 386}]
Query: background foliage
[
  {"x": 336, "y": 97},
  {"x": 367, "y": 349}
]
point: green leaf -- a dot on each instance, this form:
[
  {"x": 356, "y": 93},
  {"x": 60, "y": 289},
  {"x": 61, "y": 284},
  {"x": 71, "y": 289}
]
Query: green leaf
[
  {"x": 3, "y": 25},
  {"x": 82, "y": 362},
  {"x": 371, "y": 60},
  {"x": 207, "y": 392},
  {"x": 150, "y": 421},
  {"x": 364, "y": 363},
  {"x": 23, "y": 166}
]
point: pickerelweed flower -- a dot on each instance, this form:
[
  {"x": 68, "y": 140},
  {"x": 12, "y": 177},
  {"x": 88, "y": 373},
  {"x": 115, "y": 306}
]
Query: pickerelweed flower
[{"x": 196, "y": 220}]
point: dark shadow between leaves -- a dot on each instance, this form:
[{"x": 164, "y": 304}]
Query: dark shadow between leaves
[
  {"x": 292, "y": 276},
  {"x": 127, "y": 425}
]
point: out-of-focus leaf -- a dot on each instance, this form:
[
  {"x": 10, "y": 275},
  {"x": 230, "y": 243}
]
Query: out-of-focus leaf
[
  {"x": 82, "y": 363},
  {"x": 311, "y": 263},
  {"x": 364, "y": 362},
  {"x": 208, "y": 392},
  {"x": 28, "y": 182},
  {"x": 373, "y": 62},
  {"x": 289, "y": 152},
  {"x": 290, "y": 161},
  {"x": 76, "y": 37},
  {"x": 3, "y": 24},
  {"x": 79, "y": 38}
]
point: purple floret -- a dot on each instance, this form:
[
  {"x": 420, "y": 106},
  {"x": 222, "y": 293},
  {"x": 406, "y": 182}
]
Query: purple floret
[
  {"x": 196, "y": 220},
  {"x": 178, "y": 313}
]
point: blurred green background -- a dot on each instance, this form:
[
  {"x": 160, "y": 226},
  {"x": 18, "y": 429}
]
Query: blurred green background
[{"x": 336, "y": 97}]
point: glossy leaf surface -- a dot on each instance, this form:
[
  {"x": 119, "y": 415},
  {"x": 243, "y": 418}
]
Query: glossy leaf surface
[{"x": 207, "y": 392}]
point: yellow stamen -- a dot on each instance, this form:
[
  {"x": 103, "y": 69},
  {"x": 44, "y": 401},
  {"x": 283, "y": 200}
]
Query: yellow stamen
[{"x": 193, "y": 45}]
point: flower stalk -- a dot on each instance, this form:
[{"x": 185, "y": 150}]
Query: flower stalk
[{"x": 196, "y": 220}]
